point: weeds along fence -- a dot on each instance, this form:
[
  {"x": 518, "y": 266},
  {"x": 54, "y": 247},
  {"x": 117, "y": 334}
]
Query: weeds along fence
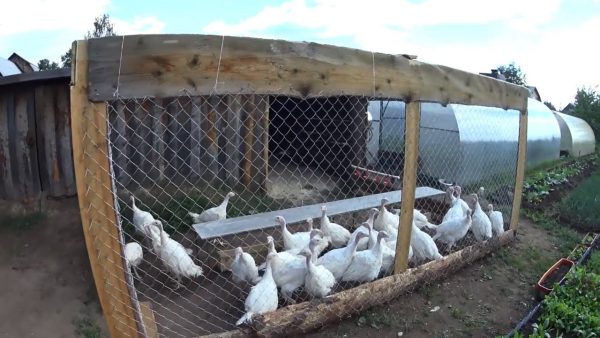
[{"x": 253, "y": 129}]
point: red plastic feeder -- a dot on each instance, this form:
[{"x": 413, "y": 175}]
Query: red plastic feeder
[{"x": 555, "y": 274}]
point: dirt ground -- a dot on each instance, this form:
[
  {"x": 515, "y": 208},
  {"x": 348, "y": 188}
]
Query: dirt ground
[
  {"x": 48, "y": 289},
  {"x": 47, "y": 285}
]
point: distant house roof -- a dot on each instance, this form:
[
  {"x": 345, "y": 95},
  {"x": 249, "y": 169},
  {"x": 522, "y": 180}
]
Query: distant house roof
[
  {"x": 8, "y": 68},
  {"x": 568, "y": 109},
  {"x": 23, "y": 65},
  {"x": 495, "y": 74},
  {"x": 534, "y": 93}
]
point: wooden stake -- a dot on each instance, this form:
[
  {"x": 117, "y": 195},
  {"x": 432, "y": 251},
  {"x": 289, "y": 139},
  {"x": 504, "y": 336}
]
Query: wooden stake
[
  {"x": 521, "y": 159},
  {"x": 409, "y": 185},
  {"x": 96, "y": 203}
]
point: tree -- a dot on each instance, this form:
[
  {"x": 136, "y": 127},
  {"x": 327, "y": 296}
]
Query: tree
[
  {"x": 550, "y": 105},
  {"x": 587, "y": 107},
  {"x": 513, "y": 74},
  {"x": 102, "y": 27},
  {"x": 66, "y": 58},
  {"x": 45, "y": 64}
]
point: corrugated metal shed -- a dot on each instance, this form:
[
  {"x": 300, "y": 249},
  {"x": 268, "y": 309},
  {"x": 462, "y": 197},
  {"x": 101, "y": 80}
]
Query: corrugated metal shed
[
  {"x": 8, "y": 68},
  {"x": 577, "y": 137}
]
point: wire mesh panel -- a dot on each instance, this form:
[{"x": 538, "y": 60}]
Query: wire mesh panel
[{"x": 207, "y": 184}]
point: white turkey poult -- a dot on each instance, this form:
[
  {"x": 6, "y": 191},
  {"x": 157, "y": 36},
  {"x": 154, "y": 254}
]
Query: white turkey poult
[
  {"x": 338, "y": 260},
  {"x": 141, "y": 218},
  {"x": 292, "y": 241},
  {"x": 496, "y": 219},
  {"x": 318, "y": 280},
  {"x": 365, "y": 265},
  {"x": 423, "y": 246},
  {"x": 421, "y": 220},
  {"x": 338, "y": 234},
  {"x": 453, "y": 230},
  {"x": 458, "y": 194},
  {"x": 288, "y": 270},
  {"x": 263, "y": 296},
  {"x": 386, "y": 220},
  {"x": 366, "y": 242},
  {"x": 243, "y": 268},
  {"x": 481, "y": 224},
  {"x": 213, "y": 214},
  {"x": 133, "y": 256},
  {"x": 456, "y": 210},
  {"x": 172, "y": 254}
]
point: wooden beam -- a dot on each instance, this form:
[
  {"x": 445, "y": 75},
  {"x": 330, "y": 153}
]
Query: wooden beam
[
  {"x": 520, "y": 171},
  {"x": 302, "y": 318},
  {"x": 96, "y": 203},
  {"x": 149, "y": 320},
  {"x": 163, "y": 65},
  {"x": 409, "y": 185}
]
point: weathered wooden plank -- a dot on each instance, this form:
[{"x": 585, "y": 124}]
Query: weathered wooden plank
[
  {"x": 184, "y": 110},
  {"x": 409, "y": 182},
  {"x": 7, "y": 190},
  {"x": 119, "y": 143},
  {"x": 45, "y": 136},
  {"x": 520, "y": 171},
  {"x": 259, "y": 172},
  {"x": 96, "y": 202},
  {"x": 249, "y": 122},
  {"x": 22, "y": 147},
  {"x": 31, "y": 145},
  {"x": 232, "y": 136},
  {"x": 149, "y": 320},
  {"x": 266, "y": 220},
  {"x": 13, "y": 152},
  {"x": 209, "y": 141},
  {"x": 63, "y": 140},
  {"x": 197, "y": 151},
  {"x": 298, "y": 319},
  {"x": 163, "y": 65},
  {"x": 158, "y": 140}
]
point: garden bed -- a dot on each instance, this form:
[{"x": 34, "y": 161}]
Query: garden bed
[
  {"x": 547, "y": 186},
  {"x": 570, "y": 310}
]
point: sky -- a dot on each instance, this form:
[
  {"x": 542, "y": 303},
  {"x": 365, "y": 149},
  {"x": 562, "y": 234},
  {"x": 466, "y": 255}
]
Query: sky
[{"x": 549, "y": 39}]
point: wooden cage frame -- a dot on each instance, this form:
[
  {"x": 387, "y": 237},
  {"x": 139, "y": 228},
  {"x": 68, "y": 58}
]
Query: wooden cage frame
[{"x": 164, "y": 65}]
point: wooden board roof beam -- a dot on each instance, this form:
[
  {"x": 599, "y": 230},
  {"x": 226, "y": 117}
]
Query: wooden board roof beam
[{"x": 164, "y": 65}]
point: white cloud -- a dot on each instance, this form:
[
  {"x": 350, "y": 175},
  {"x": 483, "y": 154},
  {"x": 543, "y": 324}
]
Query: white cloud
[
  {"x": 139, "y": 25},
  {"x": 555, "y": 60},
  {"x": 44, "y": 15}
]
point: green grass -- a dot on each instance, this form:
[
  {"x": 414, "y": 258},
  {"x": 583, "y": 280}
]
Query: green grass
[
  {"x": 21, "y": 223},
  {"x": 566, "y": 238},
  {"x": 582, "y": 206},
  {"x": 86, "y": 328}
]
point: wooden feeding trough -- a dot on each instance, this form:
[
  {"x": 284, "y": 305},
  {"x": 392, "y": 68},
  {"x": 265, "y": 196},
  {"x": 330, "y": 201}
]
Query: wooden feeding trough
[{"x": 165, "y": 66}]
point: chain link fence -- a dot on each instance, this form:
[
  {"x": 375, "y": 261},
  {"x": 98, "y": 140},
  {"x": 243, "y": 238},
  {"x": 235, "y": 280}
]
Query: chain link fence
[{"x": 200, "y": 180}]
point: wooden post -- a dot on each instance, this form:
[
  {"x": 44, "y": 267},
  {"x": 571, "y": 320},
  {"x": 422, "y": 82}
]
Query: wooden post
[
  {"x": 96, "y": 202},
  {"x": 409, "y": 184},
  {"x": 521, "y": 158}
]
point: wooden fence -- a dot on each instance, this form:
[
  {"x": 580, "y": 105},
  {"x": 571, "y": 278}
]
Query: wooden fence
[{"x": 35, "y": 136}]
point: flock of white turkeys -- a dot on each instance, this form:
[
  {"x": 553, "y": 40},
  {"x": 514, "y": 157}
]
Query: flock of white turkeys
[{"x": 359, "y": 256}]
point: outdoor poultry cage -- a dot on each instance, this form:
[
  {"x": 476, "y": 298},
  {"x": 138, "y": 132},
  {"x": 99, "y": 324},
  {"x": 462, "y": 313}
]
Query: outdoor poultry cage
[{"x": 261, "y": 128}]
